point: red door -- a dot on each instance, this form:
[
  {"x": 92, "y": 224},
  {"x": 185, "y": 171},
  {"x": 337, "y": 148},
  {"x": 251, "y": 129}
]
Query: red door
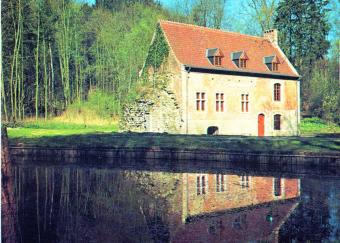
[{"x": 260, "y": 125}]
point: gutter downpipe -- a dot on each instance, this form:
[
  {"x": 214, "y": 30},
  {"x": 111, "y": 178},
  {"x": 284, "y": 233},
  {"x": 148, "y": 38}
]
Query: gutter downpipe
[{"x": 187, "y": 100}]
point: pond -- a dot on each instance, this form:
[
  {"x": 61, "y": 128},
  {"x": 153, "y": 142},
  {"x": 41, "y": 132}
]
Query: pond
[{"x": 54, "y": 202}]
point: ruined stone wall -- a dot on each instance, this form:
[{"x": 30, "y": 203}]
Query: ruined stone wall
[
  {"x": 158, "y": 112},
  {"x": 162, "y": 110}
]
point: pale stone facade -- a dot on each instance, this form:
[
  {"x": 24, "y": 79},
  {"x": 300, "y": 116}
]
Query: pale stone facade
[
  {"x": 232, "y": 121},
  {"x": 188, "y": 82}
]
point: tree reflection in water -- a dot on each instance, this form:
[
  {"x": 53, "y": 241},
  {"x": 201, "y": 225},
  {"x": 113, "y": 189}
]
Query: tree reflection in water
[
  {"x": 77, "y": 204},
  {"x": 317, "y": 218}
]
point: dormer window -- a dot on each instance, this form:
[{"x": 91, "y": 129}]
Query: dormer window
[
  {"x": 240, "y": 59},
  {"x": 275, "y": 67},
  {"x": 217, "y": 61},
  {"x": 272, "y": 63},
  {"x": 243, "y": 63},
  {"x": 214, "y": 56}
]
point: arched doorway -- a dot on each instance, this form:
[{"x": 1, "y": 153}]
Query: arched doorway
[
  {"x": 260, "y": 125},
  {"x": 212, "y": 130}
]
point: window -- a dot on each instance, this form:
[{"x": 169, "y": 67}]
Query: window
[
  {"x": 214, "y": 56},
  {"x": 243, "y": 63},
  {"x": 275, "y": 67},
  {"x": 220, "y": 183},
  {"x": 277, "y": 187},
  {"x": 245, "y": 102},
  {"x": 220, "y": 102},
  {"x": 272, "y": 63},
  {"x": 240, "y": 222},
  {"x": 200, "y": 101},
  {"x": 277, "y": 92},
  {"x": 277, "y": 122},
  {"x": 201, "y": 185},
  {"x": 217, "y": 60},
  {"x": 244, "y": 181},
  {"x": 240, "y": 59}
]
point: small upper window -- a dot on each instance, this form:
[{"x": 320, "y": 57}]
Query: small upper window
[
  {"x": 275, "y": 67},
  {"x": 217, "y": 61},
  {"x": 240, "y": 59},
  {"x": 277, "y": 122},
  {"x": 277, "y": 92},
  {"x": 214, "y": 56},
  {"x": 243, "y": 63},
  {"x": 272, "y": 63}
]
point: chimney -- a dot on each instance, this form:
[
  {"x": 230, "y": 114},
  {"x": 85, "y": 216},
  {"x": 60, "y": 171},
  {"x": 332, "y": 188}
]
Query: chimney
[{"x": 271, "y": 35}]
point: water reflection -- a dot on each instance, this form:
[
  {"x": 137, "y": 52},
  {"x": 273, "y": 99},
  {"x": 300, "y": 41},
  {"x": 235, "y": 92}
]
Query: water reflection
[
  {"x": 72, "y": 204},
  {"x": 237, "y": 207}
]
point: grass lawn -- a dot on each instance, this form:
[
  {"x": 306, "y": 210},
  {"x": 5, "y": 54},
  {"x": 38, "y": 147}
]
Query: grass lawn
[
  {"x": 52, "y": 128},
  {"x": 316, "y": 126},
  {"x": 56, "y": 134}
]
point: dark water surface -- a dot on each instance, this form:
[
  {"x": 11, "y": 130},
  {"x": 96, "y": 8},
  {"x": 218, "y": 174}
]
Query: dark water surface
[{"x": 71, "y": 203}]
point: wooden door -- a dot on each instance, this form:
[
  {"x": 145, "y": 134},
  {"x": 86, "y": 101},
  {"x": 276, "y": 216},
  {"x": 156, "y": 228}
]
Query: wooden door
[{"x": 260, "y": 125}]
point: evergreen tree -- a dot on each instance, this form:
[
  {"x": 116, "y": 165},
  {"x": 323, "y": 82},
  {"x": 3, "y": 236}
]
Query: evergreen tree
[{"x": 303, "y": 29}]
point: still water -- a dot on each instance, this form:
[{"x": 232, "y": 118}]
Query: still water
[{"x": 69, "y": 203}]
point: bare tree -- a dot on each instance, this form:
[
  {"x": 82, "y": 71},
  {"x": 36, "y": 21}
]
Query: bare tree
[
  {"x": 208, "y": 13},
  {"x": 262, "y": 12}
]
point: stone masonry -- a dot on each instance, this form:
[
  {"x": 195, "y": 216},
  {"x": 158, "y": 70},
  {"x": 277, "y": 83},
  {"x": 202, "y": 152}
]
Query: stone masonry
[{"x": 158, "y": 112}]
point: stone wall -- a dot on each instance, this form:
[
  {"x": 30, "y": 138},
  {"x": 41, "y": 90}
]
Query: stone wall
[
  {"x": 157, "y": 112},
  {"x": 232, "y": 121}
]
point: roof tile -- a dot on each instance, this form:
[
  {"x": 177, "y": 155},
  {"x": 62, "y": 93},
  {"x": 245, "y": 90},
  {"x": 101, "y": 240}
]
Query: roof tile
[{"x": 190, "y": 43}]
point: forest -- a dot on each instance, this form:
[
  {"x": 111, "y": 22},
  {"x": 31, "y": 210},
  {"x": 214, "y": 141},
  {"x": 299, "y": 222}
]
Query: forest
[{"x": 69, "y": 56}]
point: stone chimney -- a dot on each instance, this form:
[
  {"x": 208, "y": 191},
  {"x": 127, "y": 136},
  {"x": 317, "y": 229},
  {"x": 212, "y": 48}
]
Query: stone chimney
[{"x": 271, "y": 35}]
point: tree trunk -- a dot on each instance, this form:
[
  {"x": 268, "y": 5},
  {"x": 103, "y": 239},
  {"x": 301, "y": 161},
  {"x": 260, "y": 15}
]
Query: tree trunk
[{"x": 37, "y": 73}]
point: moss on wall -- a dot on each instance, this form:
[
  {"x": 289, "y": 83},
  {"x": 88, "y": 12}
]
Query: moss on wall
[{"x": 158, "y": 52}]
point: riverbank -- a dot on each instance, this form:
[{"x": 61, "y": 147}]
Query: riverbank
[
  {"x": 328, "y": 145},
  {"x": 83, "y": 141}
]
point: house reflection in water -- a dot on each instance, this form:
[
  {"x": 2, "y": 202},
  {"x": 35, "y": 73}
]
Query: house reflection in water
[
  {"x": 67, "y": 204},
  {"x": 217, "y": 207}
]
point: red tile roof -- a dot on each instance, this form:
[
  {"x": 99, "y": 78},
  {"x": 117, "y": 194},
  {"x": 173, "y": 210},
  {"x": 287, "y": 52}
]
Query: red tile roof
[{"x": 189, "y": 44}]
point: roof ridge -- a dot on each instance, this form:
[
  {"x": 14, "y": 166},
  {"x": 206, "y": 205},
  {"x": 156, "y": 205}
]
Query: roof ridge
[{"x": 212, "y": 29}]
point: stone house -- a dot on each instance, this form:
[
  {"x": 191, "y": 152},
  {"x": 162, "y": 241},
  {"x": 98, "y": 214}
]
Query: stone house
[{"x": 219, "y": 82}]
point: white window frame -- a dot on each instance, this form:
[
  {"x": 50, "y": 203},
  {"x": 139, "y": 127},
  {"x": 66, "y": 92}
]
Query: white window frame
[
  {"x": 282, "y": 93},
  {"x": 245, "y": 112},
  {"x": 200, "y": 99},
  {"x": 224, "y": 102}
]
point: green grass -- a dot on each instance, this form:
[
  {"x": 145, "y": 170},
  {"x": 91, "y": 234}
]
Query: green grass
[
  {"x": 315, "y": 126},
  {"x": 53, "y": 133},
  {"x": 98, "y": 114},
  {"x": 52, "y": 128},
  {"x": 99, "y": 108}
]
